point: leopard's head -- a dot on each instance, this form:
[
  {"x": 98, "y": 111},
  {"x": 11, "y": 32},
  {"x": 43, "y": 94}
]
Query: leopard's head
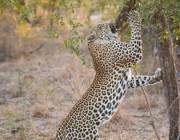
[{"x": 103, "y": 29}]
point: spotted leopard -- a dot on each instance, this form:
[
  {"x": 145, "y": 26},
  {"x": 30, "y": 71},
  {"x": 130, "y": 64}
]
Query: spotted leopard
[{"x": 112, "y": 62}]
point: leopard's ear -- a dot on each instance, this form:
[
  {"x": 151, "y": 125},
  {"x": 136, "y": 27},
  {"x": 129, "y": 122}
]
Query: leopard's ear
[{"x": 90, "y": 37}]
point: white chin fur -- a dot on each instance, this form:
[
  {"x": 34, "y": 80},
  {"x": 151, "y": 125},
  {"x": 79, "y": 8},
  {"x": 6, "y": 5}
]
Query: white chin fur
[{"x": 114, "y": 34}]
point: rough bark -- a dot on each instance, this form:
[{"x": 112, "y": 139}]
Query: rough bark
[
  {"x": 177, "y": 56},
  {"x": 170, "y": 87},
  {"x": 169, "y": 82},
  {"x": 22, "y": 2}
]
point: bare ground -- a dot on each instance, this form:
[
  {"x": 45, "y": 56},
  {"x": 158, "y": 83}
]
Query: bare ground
[{"x": 37, "y": 93}]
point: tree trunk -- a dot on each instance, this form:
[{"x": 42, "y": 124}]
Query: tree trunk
[
  {"x": 177, "y": 62},
  {"x": 169, "y": 82}
]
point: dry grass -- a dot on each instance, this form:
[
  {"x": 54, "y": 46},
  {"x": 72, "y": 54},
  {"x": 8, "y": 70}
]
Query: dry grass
[
  {"x": 52, "y": 85},
  {"x": 136, "y": 100},
  {"x": 40, "y": 110},
  {"x": 21, "y": 135},
  {"x": 41, "y": 88},
  {"x": 15, "y": 92},
  {"x": 140, "y": 102},
  {"x": 123, "y": 117}
]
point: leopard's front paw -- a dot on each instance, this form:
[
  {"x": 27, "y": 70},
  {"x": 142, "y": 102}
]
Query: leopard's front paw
[
  {"x": 134, "y": 18},
  {"x": 133, "y": 13},
  {"x": 158, "y": 75}
]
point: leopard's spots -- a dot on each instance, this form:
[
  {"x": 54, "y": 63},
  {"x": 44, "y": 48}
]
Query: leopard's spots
[{"x": 112, "y": 61}]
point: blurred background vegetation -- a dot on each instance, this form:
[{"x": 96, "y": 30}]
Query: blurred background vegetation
[
  {"x": 42, "y": 52},
  {"x": 25, "y": 23}
]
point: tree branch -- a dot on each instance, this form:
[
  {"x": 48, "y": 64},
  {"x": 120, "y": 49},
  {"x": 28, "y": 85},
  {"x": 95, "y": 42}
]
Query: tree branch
[{"x": 122, "y": 17}]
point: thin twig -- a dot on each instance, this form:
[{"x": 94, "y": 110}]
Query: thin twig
[
  {"x": 172, "y": 103},
  {"x": 152, "y": 123},
  {"x": 178, "y": 137}
]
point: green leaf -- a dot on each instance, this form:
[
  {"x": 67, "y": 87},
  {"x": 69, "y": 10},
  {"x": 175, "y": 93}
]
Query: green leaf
[{"x": 135, "y": 66}]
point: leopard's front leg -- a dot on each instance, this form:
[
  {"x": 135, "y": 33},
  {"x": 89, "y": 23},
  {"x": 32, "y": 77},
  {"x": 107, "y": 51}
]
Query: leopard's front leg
[
  {"x": 127, "y": 54},
  {"x": 138, "y": 81},
  {"x": 136, "y": 42}
]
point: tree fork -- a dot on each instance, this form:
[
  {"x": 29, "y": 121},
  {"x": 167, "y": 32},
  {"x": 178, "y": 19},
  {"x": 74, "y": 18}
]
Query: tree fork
[{"x": 122, "y": 17}]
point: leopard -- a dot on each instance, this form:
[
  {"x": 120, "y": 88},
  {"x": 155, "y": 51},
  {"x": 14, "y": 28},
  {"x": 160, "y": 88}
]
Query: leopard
[{"x": 113, "y": 61}]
